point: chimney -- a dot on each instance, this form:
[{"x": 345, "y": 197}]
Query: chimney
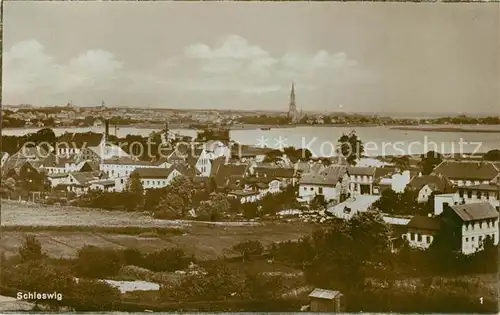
[{"x": 106, "y": 129}]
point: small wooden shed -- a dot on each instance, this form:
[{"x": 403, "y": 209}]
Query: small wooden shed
[{"x": 321, "y": 300}]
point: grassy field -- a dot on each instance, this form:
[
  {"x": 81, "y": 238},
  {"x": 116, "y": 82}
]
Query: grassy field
[{"x": 63, "y": 230}]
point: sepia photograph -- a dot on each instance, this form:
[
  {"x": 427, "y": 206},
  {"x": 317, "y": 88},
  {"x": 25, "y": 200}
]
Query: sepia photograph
[{"x": 296, "y": 157}]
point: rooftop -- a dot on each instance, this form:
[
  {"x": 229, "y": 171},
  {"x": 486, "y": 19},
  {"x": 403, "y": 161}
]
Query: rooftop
[
  {"x": 475, "y": 211},
  {"x": 324, "y": 294},
  {"x": 424, "y": 223},
  {"x": 467, "y": 170}
]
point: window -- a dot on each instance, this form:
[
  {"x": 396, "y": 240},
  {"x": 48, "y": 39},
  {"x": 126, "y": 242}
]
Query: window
[
  {"x": 487, "y": 195},
  {"x": 473, "y": 239},
  {"x": 469, "y": 194},
  {"x": 461, "y": 193},
  {"x": 466, "y": 239},
  {"x": 305, "y": 188},
  {"x": 419, "y": 237},
  {"x": 480, "y": 238},
  {"x": 320, "y": 190},
  {"x": 427, "y": 239},
  {"x": 478, "y": 195},
  {"x": 311, "y": 189}
]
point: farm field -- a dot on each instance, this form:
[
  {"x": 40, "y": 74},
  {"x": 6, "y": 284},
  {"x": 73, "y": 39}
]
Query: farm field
[{"x": 64, "y": 230}]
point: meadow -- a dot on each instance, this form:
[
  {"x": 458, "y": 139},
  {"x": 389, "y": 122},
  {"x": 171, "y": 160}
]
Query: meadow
[{"x": 63, "y": 230}]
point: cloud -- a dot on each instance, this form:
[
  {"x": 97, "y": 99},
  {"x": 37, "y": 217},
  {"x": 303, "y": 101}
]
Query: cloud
[
  {"x": 232, "y": 65},
  {"x": 28, "y": 67},
  {"x": 235, "y": 64}
]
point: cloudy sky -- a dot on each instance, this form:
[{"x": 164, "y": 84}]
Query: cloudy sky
[{"x": 356, "y": 57}]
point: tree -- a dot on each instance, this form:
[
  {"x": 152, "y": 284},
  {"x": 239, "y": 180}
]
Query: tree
[
  {"x": 318, "y": 202},
  {"x": 429, "y": 161},
  {"x": 273, "y": 156},
  {"x": 37, "y": 276},
  {"x": 44, "y": 135},
  {"x": 492, "y": 155},
  {"x": 351, "y": 147},
  {"x": 95, "y": 262},
  {"x": 250, "y": 210},
  {"x": 347, "y": 252},
  {"x": 404, "y": 203},
  {"x": 31, "y": 249},
  {"x": 401, "y": 162},
  {"x": 213, "y": 209},
  {"x": 388, "y": 201},
  {"x": 248, "y": 248},
  {"x": 94, "y": 295},
  {"x": 132, "y": 256},
  {"x": 262, "y": 287},
  {"x": 136, "y": 192},
  {"x": 169, "y": 259},
  {"x": 177, "y": 199},
  {"x": 326, "y": 161}
]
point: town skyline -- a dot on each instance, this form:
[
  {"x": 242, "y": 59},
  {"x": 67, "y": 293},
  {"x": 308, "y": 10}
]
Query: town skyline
[{"x": 359, "y": 66}]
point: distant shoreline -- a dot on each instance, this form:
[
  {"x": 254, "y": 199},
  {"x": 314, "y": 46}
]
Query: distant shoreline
[
  {"x": 267, "y": 127},
  {"x": 446, "y": 129}
]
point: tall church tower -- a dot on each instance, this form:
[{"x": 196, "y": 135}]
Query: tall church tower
[{"x": 292, "y": 110}]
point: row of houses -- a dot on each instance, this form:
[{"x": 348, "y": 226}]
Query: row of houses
[
  {"x": 466, "y": 197},
  {"x": 467, "y": 205}
]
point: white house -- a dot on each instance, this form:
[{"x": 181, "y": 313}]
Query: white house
[
  {"x": 332, "y": 182},
  {"x": 80, "y": 182},
  {"x": 123, "y": 167},
  {"x": 56, "y": 179},
  {"x": 103, "y": 185},
  {"x": 483, "y": 193},
  {"x": 361, "y": 180},
  {"x": 204, "y": 162},
  {"x": 421, "y": 231},
  {"x": 71, "y": 143},
  {"x": 152, "y": 178},
  {"x": 473, "y": 223},
  {"x": 428, "y": 184}
]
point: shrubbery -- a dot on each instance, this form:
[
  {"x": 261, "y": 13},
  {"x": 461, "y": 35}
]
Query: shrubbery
[
  {"x": 95, "y": 262},
  {"x": 82, "y": 295},
  {"x": 170, "y": 259}
]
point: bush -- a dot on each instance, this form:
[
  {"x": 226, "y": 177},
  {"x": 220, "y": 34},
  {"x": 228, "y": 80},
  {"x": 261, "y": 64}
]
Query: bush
[
  {"x": 94, "y": 262},
  {"x": 36, "y": 276},
  {"x": 132, "y": 256},
  {"x": 94, "y": 295},
  {"x": 248, "y": 248},
  {"x": 170, "y": 259},
  {"x": 31, "y": 249}
]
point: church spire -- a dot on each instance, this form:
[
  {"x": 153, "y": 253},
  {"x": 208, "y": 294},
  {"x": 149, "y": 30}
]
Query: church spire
[{"x": 292, "y": 109}]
